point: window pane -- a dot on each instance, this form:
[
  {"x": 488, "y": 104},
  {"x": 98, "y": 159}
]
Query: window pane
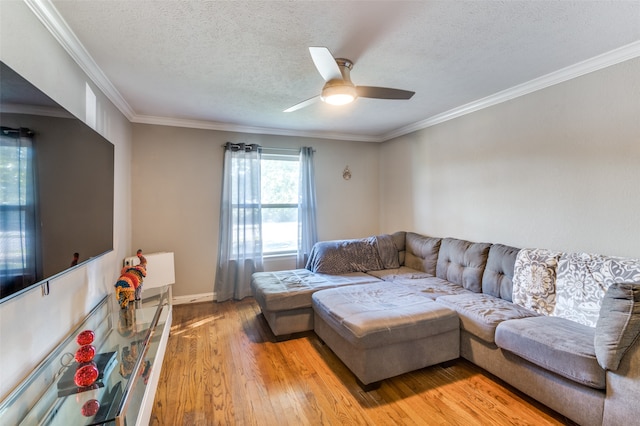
[
  {"x": 12, "y": 240},
  {"x": 280, "y": 181},
  {"x": 13, "y": 170},
  {"x": 279, "y": 229}
]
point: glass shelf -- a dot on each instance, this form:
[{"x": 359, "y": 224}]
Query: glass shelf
[{"x": 127, "y": 343}]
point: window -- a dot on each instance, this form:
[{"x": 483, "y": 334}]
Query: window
[
  {"x": 267, "y": 208},
  {"x": 17, "y": 210},
  {"x": 279, "y": 177}
]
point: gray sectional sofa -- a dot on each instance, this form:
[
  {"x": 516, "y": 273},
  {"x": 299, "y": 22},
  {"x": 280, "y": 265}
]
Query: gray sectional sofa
[{"x": 561, "y": 327}]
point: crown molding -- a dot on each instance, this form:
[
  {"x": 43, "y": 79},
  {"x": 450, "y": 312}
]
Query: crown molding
[
  {"x": 226, "y": 127},
  {"x": 58, "y": 27},
  {"x": 35, "y": 110},
  {"x": 621, "y": 54},
  {"x": 53, "y": 21}
]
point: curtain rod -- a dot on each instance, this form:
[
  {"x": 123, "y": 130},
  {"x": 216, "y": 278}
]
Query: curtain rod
[
  {"x": 22, "y": 131},
  {"x": 270, "y": 148}
]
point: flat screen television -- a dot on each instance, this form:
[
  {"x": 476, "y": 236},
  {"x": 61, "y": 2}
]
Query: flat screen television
[{"x": 56, "y": 188}]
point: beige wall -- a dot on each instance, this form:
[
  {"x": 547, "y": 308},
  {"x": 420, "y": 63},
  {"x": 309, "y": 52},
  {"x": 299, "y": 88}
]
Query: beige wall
[
  {"x": 558, "y": 168},
  {"x": 32, "y": 324},
  {"x": 177, "y": 174}
]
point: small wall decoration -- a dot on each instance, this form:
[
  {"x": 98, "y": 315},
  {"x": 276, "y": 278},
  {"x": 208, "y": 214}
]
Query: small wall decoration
[{"x": 346, "y": 173}]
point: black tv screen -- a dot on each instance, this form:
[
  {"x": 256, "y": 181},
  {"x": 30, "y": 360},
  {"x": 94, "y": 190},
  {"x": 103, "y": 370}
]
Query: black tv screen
[{"x": 56, "y": 188}]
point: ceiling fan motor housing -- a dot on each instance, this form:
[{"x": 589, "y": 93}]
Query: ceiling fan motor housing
[{"x": 340, "y": 91}]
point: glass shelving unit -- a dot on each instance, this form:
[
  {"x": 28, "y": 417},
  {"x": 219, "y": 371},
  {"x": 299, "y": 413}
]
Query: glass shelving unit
[{"x": 129, "y": 351}]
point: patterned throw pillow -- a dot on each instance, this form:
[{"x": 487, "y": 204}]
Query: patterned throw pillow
[
  {"x": 534, "y": 280},
  {"x": 583, "y": 280}
]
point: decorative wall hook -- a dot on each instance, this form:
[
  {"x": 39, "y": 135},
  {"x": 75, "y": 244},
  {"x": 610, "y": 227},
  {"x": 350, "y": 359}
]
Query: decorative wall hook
[{"x": 346, "y": 174}]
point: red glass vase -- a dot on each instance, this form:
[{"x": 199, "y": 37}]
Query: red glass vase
[
  {"x": 85, "y": 337},
  {"x": 86, "y": 375},
  {"x": 90, "y": 408},
  {"x": 85, "y": 353}
]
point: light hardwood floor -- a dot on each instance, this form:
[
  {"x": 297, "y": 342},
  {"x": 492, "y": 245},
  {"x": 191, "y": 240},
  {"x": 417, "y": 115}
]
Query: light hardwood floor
[{"x": 224, "y": 367}]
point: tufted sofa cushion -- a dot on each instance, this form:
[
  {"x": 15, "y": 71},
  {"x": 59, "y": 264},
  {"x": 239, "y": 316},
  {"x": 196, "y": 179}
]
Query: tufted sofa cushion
[
  {"x": 399, "y": 239},
  {"x": 373, "y": 315},
  {"x": 287, "y": 290},
  {"x": 497, "y": 279},
  {"x": 618, "y": 325},
  {"x": 402, "y": 272},
  {"x": 462, "y": 262},
  {"x": 480, "y": 313},
  {"x": 421, "y": 252},
  {"x": 431, "y": 287}
]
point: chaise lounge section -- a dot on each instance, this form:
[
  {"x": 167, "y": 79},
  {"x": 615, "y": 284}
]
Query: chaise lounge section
[
  {"x": 381, "y": 331},
  {"x": 561, "y": 327},
  {"x": 285, "y": 296}
]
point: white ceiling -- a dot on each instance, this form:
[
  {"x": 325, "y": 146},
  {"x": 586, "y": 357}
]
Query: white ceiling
[{"x": 237, "y": 65}]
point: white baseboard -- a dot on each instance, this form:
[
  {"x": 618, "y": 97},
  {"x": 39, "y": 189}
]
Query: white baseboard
[{"x": 194, "y": 298}]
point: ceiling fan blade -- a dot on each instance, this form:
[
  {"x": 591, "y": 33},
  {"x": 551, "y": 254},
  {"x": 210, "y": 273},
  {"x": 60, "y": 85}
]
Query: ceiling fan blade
[
  {"x": 303, "y": 104},
  {"x": 325, "y": 63},
  {"x": 383, "y": 93}
]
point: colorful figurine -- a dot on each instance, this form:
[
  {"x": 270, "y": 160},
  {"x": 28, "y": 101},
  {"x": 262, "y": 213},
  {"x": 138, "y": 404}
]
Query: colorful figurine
[{"x": 130, "y": 281}]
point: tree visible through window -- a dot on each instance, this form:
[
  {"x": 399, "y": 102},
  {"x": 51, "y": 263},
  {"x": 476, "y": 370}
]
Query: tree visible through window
[{"x": 280, "y": 175}]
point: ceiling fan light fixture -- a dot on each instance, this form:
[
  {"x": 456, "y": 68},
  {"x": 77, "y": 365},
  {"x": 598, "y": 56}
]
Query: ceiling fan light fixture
[
  {"x": 339, "y": 94},
  {"x": 338, "y": 89}
]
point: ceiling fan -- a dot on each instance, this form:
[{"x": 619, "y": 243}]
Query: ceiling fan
[{"x": 338, "y": 89}]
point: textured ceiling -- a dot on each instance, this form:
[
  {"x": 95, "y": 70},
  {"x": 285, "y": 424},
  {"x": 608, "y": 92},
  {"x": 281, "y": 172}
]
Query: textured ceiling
[{"x": 240, "y": 63}]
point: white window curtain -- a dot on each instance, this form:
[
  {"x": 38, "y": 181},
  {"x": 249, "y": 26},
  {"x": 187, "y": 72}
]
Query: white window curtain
[
  {"x": 240, "y": 245},
  {"x": 307, "y": 230}
]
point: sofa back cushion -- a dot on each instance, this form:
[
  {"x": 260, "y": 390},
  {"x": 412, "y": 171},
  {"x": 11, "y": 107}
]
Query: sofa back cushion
[
  {"x": 421, "y": 252},
  {"x": 462, "y": 262},
  {"x": 497, "y": 279},
  {"x": 583, "y": 280},
  {"x": 618, "y": 325},
  {"x": 399, "y": 239},
  {"x": 534, "y": 280}
]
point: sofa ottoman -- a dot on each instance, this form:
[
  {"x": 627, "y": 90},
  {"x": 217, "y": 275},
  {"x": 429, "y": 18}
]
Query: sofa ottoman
[{"x": 383, "y": 330}]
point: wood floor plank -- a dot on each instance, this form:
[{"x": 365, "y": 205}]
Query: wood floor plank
[{"x": 223, "y": 366}]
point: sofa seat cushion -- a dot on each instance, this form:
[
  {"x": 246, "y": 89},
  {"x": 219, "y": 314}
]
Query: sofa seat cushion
[
  {"x": 431, "y": 287},
  {"x": 374, "y": 315},
  {"x": 292, "y": 289},
  {"x": 556, "y": 344},
  {"x": 398, "y": 273},
  {"x": 480, "y": 313}
]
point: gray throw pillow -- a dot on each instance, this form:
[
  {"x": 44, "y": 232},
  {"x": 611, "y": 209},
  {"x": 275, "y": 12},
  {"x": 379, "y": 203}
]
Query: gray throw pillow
[{"x": 618, "y": 325}]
